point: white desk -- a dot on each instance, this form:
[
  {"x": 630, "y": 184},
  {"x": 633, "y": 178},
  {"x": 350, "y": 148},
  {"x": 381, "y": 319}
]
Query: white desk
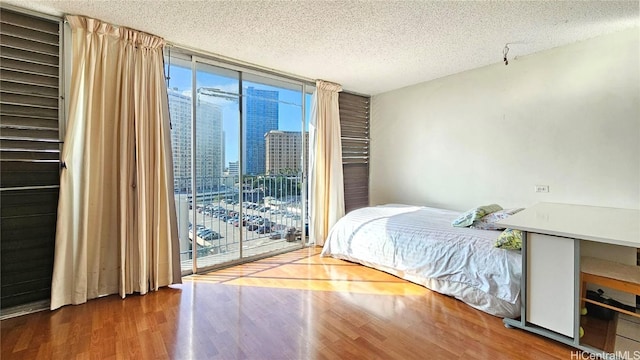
[{"x": 550, "y": 293}]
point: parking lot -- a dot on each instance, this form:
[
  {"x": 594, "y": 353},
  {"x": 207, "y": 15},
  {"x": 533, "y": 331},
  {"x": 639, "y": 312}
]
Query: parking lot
[{"x": 220, "y": 225}]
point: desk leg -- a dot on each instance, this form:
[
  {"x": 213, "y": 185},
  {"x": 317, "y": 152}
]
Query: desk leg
[
  {"x": 576, "y": 292},
  {"x": 522, "y": 323}
]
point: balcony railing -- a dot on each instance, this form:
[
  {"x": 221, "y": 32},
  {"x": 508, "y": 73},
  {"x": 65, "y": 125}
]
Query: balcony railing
[{"x": 264, "y": 211}]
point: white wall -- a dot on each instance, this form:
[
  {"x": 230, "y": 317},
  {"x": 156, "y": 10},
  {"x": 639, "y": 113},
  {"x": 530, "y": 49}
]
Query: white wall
[{"x": 567, "y": 117}]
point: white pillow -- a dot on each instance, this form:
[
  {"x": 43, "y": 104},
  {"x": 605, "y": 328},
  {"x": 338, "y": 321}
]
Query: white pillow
[
  {"x": 467, "y": 218},
  {"x": 488, "y": 222}
]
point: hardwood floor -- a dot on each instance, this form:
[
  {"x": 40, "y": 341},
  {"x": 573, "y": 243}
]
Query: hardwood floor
[{"x": 292, "y": 306}]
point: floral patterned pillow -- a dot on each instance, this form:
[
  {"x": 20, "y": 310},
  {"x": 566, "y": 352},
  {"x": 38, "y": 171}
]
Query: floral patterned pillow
[
  {"x": 509, "y": 239},
  {"x": 488, "y": 222},
  {"x": 474, "y": 214}
]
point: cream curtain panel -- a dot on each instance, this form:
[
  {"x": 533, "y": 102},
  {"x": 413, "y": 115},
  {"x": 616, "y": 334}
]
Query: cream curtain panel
[
  {"x": 117, "y": 229},
  {"x": 326, "y": 184}
]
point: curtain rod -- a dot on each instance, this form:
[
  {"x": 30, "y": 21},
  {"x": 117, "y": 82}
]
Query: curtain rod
[{"x": 236, "y": 62}]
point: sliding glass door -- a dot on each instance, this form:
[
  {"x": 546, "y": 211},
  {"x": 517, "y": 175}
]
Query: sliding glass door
[
  {"x": 217, "y": 123},
  {"x": 240, "y": 154},
  {"x": 273, "y": 163},
  {"x": 179, "y": 83}
]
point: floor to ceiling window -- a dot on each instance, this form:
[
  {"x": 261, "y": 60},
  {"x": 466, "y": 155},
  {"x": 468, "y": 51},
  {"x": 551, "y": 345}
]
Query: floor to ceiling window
[{"x": 240, "y": 150}]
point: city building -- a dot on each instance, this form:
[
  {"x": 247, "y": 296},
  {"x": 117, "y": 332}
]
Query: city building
[
  {"x": 284, "y": 150},
  {"x": 261, "y": 115},
  {"x": 180, "y": 115},
  {"x": 233, "y": 168},
  {"x": 209, "y": 141},
  {"x": 209, "y": 144}
]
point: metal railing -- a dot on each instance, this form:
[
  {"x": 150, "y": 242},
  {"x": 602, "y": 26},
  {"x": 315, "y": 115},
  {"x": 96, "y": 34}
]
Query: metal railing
[{"x": 258, "y": 215}]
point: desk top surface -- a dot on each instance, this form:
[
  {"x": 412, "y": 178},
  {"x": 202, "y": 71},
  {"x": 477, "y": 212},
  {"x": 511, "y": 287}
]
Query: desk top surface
[{"x": 600, "y": 224}]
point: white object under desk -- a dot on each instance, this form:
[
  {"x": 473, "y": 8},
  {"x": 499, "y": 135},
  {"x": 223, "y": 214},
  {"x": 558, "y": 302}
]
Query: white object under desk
[{"x": 551, "y": 262}]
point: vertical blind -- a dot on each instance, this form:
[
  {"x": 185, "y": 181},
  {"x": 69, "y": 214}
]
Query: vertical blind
[
  {"x": 29, "y": 154},
  {"x": 354, "y": 125}
]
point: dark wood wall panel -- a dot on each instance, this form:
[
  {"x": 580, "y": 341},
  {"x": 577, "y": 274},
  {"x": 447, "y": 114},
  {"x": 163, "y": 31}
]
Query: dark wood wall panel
[
  {"x": 29, "y": 155},
  {"x": 354, "y": 126}
]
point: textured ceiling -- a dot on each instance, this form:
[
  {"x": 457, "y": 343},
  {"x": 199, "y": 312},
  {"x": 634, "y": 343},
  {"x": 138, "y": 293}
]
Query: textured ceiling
[{"x": 367, "y": 46}]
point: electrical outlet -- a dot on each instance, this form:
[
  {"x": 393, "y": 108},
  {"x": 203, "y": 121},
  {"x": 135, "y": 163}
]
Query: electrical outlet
[{"x": 542, "y": 188}]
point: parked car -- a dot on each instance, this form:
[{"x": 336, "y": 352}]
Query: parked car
[
  {"x": 263, "y": 229},
  {"x": 198, "y": 226},
  {"x": 211, "y": 236},
  {"x": 199, "y": 229},
  {"x": 204, "y": 232},
  {"x": 263, "y": 221}
]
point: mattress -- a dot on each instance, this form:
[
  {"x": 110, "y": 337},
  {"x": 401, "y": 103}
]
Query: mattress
[{"x": 420, "y": 245}]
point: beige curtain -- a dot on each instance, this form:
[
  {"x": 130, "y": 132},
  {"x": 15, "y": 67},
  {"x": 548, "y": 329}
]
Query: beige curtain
[
  {"x": 326, "y": 184},
  {"x": 117, "y": 229}
]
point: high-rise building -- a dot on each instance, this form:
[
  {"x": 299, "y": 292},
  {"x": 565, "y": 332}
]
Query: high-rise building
[
  {"x": 209, "y": 142},
  {"x": 261, "y": 116},
  {"x": 233, "y": 168},
  {"x": 283, "y": 151},
  {"x": 223, "y": 155},
  {"x": 180, "y": 115}
]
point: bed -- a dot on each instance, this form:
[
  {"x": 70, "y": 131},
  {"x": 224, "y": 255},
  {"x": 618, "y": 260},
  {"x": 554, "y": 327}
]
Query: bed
[{"x": 420, "y": 245}]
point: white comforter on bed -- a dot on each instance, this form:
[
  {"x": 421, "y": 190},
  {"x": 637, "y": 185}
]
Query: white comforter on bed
[{"x": 420, "y": 245}]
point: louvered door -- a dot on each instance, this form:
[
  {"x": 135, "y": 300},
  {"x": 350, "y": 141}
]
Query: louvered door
[
  {"x": 29, "y": 146},
  {"x": 354, "y": 125}
]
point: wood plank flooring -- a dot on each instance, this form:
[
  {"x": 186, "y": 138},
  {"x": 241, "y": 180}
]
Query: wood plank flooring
[{"x": 292, "y": 306}]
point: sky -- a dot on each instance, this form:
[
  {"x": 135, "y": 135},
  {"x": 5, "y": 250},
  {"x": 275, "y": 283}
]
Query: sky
[{"x": 289, "y": 106}]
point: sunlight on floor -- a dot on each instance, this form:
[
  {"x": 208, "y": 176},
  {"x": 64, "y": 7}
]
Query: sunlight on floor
[{"x": 305, "y": 270}]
